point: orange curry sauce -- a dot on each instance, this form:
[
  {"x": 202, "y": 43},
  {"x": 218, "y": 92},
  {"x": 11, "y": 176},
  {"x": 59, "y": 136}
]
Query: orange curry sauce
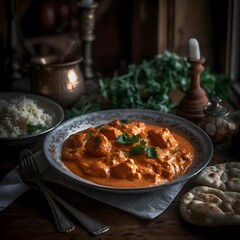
[{"x": 127, "y": 154}]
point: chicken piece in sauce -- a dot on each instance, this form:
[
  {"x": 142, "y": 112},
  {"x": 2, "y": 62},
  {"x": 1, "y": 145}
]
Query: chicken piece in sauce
[
  {"x": 110, "y": 132},
  {"x": 130, "y": 127},
  {"x": 73, "y": 154},
  {"x": 162, "y": 138},
  {"x": 98, "y": 145},
  {"x": 79, "y": 139},
  {"x": 151, "y": 177},
  {"x": 98, "y": 169},
  {"x": 115, "y": 158},
  {"x": 168, "y": 163},
  {"x": 75, "y": 144},
  {"x": 167, "y": 170},
  {"x": 165, "y": 155},
  {"x": 126, "y": 170}
]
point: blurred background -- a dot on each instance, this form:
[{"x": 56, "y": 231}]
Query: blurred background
[{"x": 126, "y": 31}]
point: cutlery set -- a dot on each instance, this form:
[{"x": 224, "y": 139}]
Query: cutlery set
[{"x": 29, "y": 172}]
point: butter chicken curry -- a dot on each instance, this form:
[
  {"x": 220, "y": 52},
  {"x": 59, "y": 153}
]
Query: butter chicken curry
[{"x": 127, "y": 154}]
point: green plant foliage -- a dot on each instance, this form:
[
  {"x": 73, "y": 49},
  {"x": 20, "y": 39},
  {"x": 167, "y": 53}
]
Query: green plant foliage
[{"x": 147, "y": 85}]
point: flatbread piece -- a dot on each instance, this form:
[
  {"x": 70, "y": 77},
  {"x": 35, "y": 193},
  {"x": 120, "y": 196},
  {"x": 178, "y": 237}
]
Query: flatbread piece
[
  {"x": 216, "y": 201},
  {"x": 224, "y": 176},
  {"x": 207, "y": 206}
]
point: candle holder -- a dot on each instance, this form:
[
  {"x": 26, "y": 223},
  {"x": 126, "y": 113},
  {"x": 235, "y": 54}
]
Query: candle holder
[
  {"x": 12, "y": 68},
  {"x": 191, "y": 106},
  {"x": 87, "y": 25}
]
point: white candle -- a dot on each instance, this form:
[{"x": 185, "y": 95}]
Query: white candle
[
  {"x": 88, "y": 2},
  {"x": 194, "y": 52}
]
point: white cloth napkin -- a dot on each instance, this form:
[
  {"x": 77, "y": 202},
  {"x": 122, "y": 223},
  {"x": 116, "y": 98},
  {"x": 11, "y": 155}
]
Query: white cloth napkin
[
  {"x": 144, "y": 205},
  {"x": 11, "y": 188}
]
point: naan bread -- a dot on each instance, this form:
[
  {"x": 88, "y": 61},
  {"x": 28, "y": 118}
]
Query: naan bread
[
  {"x": 216, "y": 201},
  {"x": 224, "y": 176},
  {"x": 207, "y": 206}
]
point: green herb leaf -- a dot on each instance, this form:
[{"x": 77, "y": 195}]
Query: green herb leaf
[
  {"x": 151, "y": 152},
  {"x": 142, "y": 143},
  {"x": 137, "y": 150},
  {"x": 126, "y": 139}
]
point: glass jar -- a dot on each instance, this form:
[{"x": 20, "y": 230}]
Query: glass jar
[{"x": 216, "y": 122}]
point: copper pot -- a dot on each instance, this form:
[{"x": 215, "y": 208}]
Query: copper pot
[{"x": 60, "y": 81}]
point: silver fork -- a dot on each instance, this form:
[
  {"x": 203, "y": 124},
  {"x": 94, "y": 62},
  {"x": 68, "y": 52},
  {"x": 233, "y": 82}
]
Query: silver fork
[
  {"x": 28, "y": 162},
  {"x": 28, "y": 174}
]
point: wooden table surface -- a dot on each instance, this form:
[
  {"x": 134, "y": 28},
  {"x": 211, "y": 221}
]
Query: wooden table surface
[{"x": 28, "y": 217}]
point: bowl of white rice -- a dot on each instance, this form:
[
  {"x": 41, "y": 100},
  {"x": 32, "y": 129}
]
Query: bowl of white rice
[{"x": 26, "y": 117}]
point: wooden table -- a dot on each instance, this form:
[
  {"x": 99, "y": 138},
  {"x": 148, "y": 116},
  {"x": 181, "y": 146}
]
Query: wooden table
[{"x": 29, "y": 216}]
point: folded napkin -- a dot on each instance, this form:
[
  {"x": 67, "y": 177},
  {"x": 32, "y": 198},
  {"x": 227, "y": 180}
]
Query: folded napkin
[
  {"x": 144, "y": 205},
  {"x": 11, "y": 188}
]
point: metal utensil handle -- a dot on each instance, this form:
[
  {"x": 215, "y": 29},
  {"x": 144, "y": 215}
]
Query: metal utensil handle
[
  {"x": 91, "y": 225},
  {"x": 62, "y": 223}
]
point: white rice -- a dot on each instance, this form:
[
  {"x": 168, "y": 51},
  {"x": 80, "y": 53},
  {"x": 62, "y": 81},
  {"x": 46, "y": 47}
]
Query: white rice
[{"x": 17, "y": 114}]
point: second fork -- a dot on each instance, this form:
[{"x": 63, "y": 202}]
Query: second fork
[
  {"x": 26, "y": 172},
  {"x": 91, "y": 225}
]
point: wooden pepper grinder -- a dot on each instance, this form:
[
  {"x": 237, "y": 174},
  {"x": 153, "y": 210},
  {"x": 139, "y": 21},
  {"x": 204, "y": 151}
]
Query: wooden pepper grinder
[{"x": 191, "y": 106}]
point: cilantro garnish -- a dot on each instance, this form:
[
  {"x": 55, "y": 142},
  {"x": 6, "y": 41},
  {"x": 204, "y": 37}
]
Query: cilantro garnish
[
  {"x": 138, "y": 149},
  {"x": 142, "y": 148},
  {"x": 126, "y": 139},
  {"x": 151, "y": 152}
]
